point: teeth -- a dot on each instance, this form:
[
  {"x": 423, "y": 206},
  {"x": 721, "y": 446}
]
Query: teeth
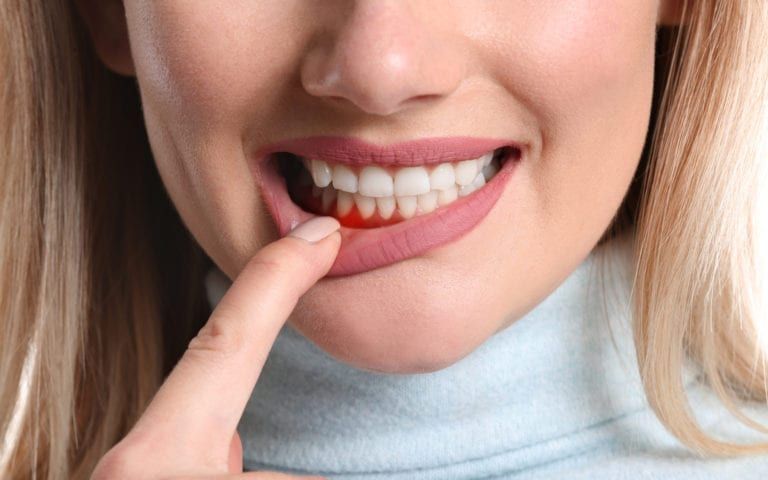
[
  {"x": 376, "y": 182},
  {"x": 321, "y": 173},
  {"x": 411, "y": 181},
  {"x": 344, "y": 203},
  {"x": 409, "y": 190},
  {"x": 386, "y": 207},
  {"x": 465, "y": 172},
  {"x": 442, "y": 177},
  {"x": 465, "y": 190},
  {"x": 490, "y": 170},
  {"x": 427, "y": 202},
  {"x": 329, "y": 196},
  {"x": 477, "y": 182},
  {"x": 407, "y": 206},
  {"x": 365, "y": 205},
  {"x": 344, "y": 179},
  {"x": 444, "y": 197}
]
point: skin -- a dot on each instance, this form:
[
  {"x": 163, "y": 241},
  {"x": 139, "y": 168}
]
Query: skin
[{"x": 570, "y": 80}]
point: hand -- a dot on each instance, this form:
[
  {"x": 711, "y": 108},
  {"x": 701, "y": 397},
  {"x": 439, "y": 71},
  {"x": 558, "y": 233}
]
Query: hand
[{"x": 189, "y": 428}]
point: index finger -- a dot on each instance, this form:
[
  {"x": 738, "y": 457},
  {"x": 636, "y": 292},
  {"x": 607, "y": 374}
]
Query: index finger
[{"x": 203, "y": 398}]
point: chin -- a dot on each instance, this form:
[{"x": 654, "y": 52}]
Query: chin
[{"x": 428, "y": 328}]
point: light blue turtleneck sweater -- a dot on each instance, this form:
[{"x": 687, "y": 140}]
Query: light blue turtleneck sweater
[{"x": 554, "y": 396}]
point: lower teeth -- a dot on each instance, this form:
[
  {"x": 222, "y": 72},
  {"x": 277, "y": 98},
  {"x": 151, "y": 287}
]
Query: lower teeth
[{"x": 355, "y": 210}]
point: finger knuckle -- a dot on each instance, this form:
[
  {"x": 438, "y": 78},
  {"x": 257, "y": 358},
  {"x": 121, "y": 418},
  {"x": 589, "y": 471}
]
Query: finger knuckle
[{"x": 221, "y": 336}]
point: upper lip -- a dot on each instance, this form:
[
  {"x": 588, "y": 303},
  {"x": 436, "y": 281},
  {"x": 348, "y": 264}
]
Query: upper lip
[{"x": 355, "y": 151}]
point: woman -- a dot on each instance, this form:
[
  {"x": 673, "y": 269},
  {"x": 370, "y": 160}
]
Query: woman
[{"x": 472, "y": 158}]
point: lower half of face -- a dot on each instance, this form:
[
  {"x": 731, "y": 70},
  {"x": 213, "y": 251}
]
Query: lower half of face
[{"x": 567, "y": 92}]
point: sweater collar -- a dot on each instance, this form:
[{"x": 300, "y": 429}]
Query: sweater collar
[{"x": 520, "y": 399}]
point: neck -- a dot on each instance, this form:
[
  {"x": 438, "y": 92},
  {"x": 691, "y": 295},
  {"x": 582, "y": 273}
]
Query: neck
[{"x": 565, "y": 366}]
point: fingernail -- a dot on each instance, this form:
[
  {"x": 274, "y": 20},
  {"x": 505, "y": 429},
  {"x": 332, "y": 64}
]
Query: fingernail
[{"x": 315, "y": 229}]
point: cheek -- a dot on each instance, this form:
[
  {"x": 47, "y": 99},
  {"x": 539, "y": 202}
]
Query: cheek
[
  {"x": 585, "y": 70},
  {"x": 205, "y": 77},
  {"x": 218, "y": 67},
  {"x": 562, "y": 55}
]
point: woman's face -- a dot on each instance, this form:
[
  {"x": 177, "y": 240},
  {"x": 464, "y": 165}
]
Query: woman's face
[{"x": 568, "y": 83}]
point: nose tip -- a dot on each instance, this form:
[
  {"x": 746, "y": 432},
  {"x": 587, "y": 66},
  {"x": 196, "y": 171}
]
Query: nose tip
[{"x": 381, "y": 61}]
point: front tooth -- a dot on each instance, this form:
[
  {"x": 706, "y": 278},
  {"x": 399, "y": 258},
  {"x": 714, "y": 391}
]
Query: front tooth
[
  {"x": 411, "y": 181},
  {"x": 365, "y": 205},
  {"x": 329, "y": 196},
  {"x": 407, "y": 206},
  {"x": 465, "y": 172},
  {"x": 442, "y": 177},
  {"x": 375, "y": 182},
  {"x": 344, "y": 203},
  {"x": 321, "y": 173},
  {"x": 444, "y": 197},
  {"x": 427, "y": 202},
  {"x": 344, "y": 179},
  {"x": 386, "y": 207}
]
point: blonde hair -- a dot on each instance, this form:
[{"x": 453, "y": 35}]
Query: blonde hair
[{"x": 101, "y": 285}]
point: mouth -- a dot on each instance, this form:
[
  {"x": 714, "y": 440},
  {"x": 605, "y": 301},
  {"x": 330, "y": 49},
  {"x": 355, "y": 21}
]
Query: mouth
[{"x": 393, "y": 202}]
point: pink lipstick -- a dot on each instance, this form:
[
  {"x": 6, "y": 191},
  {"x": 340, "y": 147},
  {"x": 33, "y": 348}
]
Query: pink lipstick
[{"x": 365, "y": 249}]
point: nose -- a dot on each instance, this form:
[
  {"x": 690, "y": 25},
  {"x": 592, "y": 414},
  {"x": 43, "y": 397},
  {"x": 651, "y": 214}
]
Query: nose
[{"x": 382, "y": 59}]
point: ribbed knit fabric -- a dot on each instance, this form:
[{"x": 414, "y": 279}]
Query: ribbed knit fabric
[{"x": 554, "y": 396}]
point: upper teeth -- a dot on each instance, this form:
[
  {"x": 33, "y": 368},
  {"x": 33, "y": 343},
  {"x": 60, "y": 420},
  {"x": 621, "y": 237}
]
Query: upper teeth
[
  {"x": 408, "y": 191},
  {"x": 376, "y": 181}
]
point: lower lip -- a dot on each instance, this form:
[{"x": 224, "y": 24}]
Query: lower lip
[{"x": 364, "y": 249}]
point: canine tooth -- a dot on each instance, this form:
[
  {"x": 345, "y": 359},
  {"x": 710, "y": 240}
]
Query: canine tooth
[
  {"x": 386, "y": 206},
  {"x": 411, "y": 181},
  {"x": 329, "y": 196},
  {"x": 344, "y": 179},
  {"x": 375, "y": 182},
  {"x": 427, "y": 202},
  {"x": 465, "y": 171},
  {"x": 465, "y": 190},
  {"x": 485, "y": 159},
  {"x": 444, "y": 197},
  {"x": 407, "y": 206},
  {"x": 344, "y": 203},
  {"x": 365, "y": 205},
  {"x": 477, "y": 183},
  {"x": 321, "y": 173},
  {"x": 442, "y": 177}
]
